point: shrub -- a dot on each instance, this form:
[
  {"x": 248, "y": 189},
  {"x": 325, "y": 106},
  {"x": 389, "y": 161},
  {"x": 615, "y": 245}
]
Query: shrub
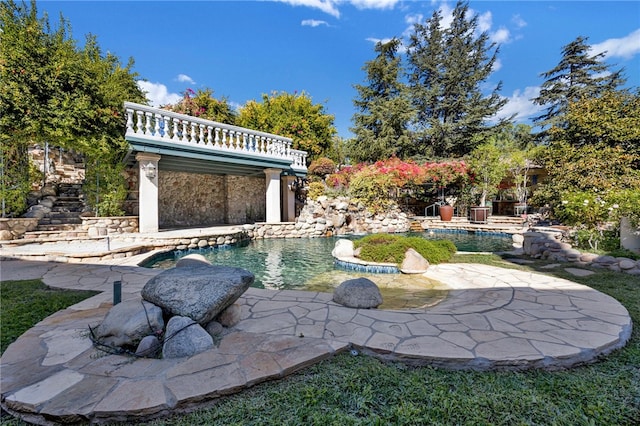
[
  {"x": 322, "y": 167},
  {"x": 316, "y": 189},
  {"x": 389, "y": 248}
]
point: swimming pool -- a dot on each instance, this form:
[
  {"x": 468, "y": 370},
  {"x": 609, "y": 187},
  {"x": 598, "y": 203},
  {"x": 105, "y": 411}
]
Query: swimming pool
[{"x": 307, "y": 264}]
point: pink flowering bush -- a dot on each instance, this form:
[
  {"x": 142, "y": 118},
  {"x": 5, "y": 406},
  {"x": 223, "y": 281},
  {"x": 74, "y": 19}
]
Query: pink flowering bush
[{"x": 377, "y": 185}]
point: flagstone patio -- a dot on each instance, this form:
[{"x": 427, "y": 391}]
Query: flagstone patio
[{"x": 493, "y": 318}]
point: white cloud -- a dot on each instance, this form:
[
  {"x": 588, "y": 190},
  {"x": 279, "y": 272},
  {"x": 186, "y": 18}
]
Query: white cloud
[
  {"x": 326, "y": 6},
  {"x": 485, "y": 22},
  {"x": 497, "y": 64},
  {"x": 331, "y": 6},
  {"x": 157, "y": 93},
  {"x": 518, "y": 21},
  {"x": 374, "y": 4},
  {"x": 626, "y": 47},
  {"x": 520, "y": 104},
  {"x": 447, "y": 15},
  {"x": 313, "y": 23},
  {"x": 502, "y": 35},
  {"x": 183, "y": 78}
]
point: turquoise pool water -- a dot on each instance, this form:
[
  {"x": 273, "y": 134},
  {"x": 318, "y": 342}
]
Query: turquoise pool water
[{"x": 307, "y": 264}]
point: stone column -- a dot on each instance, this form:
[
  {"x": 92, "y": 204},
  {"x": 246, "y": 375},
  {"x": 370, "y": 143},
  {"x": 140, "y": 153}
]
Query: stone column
[
  {"x": 288, "y": 199},
  {"x": 148, "y": 191},
  {"x": 273, "y": 195}
]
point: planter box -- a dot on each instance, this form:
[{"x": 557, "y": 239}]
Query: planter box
[{"x": 479, "y": 214}]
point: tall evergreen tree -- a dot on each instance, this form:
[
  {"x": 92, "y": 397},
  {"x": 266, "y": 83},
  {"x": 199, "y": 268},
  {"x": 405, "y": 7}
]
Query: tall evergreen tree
[
  {"x": 384, "y": 109},
  {"x": 448, "y": 66},
  {"x": 577, "y": 76}
]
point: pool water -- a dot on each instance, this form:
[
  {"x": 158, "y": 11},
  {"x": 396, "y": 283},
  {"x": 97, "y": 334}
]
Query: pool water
[{"x": 307, "y": 264}]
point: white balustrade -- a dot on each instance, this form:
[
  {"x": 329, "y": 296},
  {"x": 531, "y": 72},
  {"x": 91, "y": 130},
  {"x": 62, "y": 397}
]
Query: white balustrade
[{"x": 166, "y": 126}]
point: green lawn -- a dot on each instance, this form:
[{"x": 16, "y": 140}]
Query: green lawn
[
  {"x": 24, "y": 303},
  {"x": 360, "y": 390}
]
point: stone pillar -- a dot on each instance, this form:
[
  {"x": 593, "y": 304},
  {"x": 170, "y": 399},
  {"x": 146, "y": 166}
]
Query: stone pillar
[
  {"x": 273, "y": 195},
  {"x": 148, "y": 191},
  {"x": 288, "y": 199}
]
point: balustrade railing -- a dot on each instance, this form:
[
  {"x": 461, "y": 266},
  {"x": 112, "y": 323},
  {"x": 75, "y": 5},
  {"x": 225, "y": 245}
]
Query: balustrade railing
[{"x": 161, "y": 125}]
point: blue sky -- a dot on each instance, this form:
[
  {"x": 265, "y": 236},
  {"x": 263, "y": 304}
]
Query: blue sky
[{"x": 242, "y": 49}]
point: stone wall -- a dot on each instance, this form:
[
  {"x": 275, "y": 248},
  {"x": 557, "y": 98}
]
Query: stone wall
[
  {"x": 187, "y": 199},
  {"x": 547, "y": 243},
  {"x": 246, "y": 200},
  {"x": 15, "y": 228},
  {"x": 102, "y": 226},
  {"x": 326, "y": 217}
]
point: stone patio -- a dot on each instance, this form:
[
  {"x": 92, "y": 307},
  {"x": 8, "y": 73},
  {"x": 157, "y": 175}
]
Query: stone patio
[{"x": 493, "y": 318}]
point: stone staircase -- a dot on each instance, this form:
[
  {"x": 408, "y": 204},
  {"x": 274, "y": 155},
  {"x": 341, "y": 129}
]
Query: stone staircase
[
  {"x": 62, "y": 219},
  {"x": 507, "y": 224}
]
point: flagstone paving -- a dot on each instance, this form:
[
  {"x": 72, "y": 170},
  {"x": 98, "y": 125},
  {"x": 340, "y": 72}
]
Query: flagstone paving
[{"x": 493, "y": 318}]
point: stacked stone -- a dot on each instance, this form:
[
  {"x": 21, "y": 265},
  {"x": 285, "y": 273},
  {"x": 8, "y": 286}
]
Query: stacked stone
[
  {"x": 103, "y": 226},
  {"x": 334, "y": 216},
  {"x": 201, "y": 242},
  {"x": 549, "y": 244},
  {"x": 15, "y": 228}
]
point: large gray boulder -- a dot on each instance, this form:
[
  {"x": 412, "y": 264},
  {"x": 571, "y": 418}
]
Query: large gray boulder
[
  {"x": 199, "y": 291},
  {"x": 358, "y": 293},
  {"x": 184, "y": 337},
  {"x": 129, "y": 322}
]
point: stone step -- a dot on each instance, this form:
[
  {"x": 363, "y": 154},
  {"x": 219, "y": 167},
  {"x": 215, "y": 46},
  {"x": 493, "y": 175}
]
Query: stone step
[
  {"x": 64, "y": 216},
  {"x": 416, "y": 226},
  {"x": 55, "y": 235}
]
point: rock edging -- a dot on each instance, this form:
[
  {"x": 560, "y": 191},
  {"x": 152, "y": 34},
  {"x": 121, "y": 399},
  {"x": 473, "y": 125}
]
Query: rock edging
[{"x": 547, "y": 244}]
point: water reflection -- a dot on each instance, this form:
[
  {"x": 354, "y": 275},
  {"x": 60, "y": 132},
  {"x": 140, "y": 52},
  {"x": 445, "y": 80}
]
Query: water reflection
[{"x": 273, "y": 267}]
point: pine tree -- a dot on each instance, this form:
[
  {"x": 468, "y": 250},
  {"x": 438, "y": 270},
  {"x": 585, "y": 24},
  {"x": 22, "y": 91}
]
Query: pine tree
[
  {"x": 447, "y": 68},
  {"x": 577, "y": 76},
  {"x": 381, "y": 125}
]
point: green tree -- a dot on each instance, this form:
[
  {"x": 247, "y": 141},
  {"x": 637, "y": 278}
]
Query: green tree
[
  {"x": 612, "y": 119},
  {"x": 50, "y": 90},
  {"x": 201, "y": 103},
  {"x": 291, "y": 115},
  {"x": 448, "y": 69},
  {"x": 384, "y": 108},
  {"x": 591, "y": 168},
  {"x": 488, "y": 167},
  {"x": 577, "y": 76}
]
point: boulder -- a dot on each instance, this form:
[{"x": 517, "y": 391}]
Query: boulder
[
  {"x": 343, "y": 248},
  {"x": 149, "y": 347},
  {"x": 626, "y": 264},
  {"x": 185, "y": 337},
  {"x": 230, "y": 316},
  {"x": 214, "y": 328},
  {"x": 414, "y": 263},
  {"x": 199, "y": 291},
  {"x": 358, "y": 293},
  {"x": 193, "y": 259},
  {"x": 129, "y": 322}
]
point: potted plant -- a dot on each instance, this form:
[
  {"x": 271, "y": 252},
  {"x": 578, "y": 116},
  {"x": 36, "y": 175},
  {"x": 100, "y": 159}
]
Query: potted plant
[
  {"x": 488, "y": 169},
  {"x": 518, "y": 167},
  {"x": 443, "y": 175}
]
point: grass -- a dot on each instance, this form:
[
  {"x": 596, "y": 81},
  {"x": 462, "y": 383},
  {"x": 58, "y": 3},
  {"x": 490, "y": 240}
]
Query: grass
[
  {"x": 24, "y": 303},
  {"x": 360, "y": 390}
]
